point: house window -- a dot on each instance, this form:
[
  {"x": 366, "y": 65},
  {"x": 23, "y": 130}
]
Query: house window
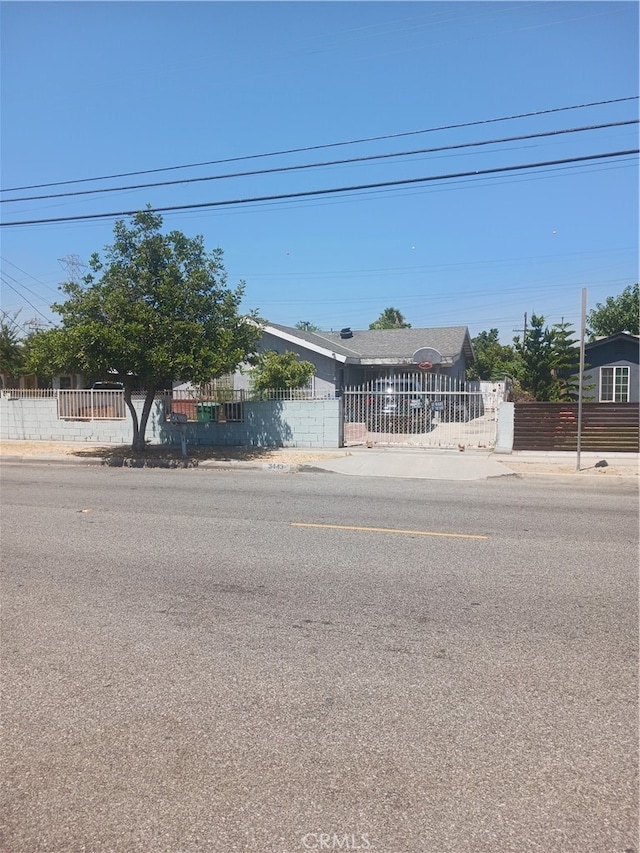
[{"x": 614, "y": 384}]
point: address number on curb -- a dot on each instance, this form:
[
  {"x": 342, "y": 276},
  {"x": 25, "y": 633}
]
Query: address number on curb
[{"x": 278, "y": 466}]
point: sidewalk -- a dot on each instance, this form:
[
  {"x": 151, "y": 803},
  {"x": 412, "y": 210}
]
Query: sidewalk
[
  {"x": 435, "y": 464},
  {"x": 416, "y": 463}
]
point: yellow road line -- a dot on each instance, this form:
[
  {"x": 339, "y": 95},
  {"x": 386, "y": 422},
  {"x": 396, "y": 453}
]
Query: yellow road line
[{"x": 389, "y": 530}]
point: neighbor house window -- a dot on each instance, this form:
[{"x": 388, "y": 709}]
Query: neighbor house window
[{"x": 614, "y": 384}]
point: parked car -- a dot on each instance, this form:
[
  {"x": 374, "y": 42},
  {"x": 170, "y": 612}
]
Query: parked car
[
  {"x": 397, "y": 405},
  {"x": 107, "y": 386},
  {"x": 457, "y": 406}
]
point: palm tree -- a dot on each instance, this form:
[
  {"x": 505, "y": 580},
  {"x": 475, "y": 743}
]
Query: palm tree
[{"x": 390, "y": 318}]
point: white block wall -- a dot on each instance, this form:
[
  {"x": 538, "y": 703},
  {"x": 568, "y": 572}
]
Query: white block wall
[
  {"x": 305, "y": 423},
  {"x": 37, "y": 420}
]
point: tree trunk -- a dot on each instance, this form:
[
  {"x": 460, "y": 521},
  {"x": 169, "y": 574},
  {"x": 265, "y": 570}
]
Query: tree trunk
[
  {"x": 138, "y": 440},
  {"x": 138, "y": 443}
]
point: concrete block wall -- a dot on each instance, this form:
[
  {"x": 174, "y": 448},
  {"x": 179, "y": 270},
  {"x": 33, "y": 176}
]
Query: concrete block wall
[
  {"x": 304, "y": 423},
  {"x": 308, "y": 423},
  {"x": 36, "y": 419}
]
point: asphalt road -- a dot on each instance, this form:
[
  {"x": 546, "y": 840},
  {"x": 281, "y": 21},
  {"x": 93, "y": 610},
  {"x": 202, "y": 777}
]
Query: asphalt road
[{"x": 245, "y": 661}]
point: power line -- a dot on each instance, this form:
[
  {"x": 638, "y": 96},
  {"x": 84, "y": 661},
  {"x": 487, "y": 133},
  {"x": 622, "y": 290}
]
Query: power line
[
  {"x": 46, "y": 319},
  {"x": 322, "y": 192},
  {"x": 23, "y": 286},
  {"x": 324, "y": 146},
  {"x": 12, "y": 322},
  {"x": 303, "y": 166},
  {"x": 37, "y": 280},
  {"x": 435, "y": 298},
  {"x": 452, "y": 186}
]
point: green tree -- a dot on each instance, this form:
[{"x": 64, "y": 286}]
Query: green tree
[
  {"x": 306, "y": 326},
  {"x": 390, "y": 318},
  {"x": 565, "y": 364},
  {"x": 12, "y": 351},
  {"x": 280, "y": 372},
  {"x": 550, "y": 362},
  {"x": 618, "y": 314},
  {"x": 157, "y": 309},
  {"x": 493, "y": 361},
  {"x": 536, "y": 355}
]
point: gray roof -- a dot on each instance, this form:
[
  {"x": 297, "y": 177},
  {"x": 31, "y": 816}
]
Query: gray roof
[
  {"x": 605, "y": 339},
  {"x": 388, "y": 344}
]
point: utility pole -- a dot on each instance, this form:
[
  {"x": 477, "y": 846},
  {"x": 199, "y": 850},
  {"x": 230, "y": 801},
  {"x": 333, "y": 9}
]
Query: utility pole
[
  {"x": 583, "y": 327},
  {"x": 524, "y": 330}
]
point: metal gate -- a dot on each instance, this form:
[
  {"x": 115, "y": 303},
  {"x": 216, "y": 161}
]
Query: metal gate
[
  {"x": 91, "y": 405},
  {"x": 419, "y": 410}
]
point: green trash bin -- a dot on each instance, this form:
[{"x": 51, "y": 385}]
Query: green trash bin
[{"x": 206, "y": 412}]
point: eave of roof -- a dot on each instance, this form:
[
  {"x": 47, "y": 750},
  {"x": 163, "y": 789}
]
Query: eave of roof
[
  {"x": 627, "y": 336},
  {"x": 293, "y": 337}
]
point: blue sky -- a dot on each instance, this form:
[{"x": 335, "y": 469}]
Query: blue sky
[{"x": 99, "y": 89}]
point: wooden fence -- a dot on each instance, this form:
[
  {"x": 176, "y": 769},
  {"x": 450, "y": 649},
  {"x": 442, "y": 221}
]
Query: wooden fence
[{"x": 606, "y": 427}]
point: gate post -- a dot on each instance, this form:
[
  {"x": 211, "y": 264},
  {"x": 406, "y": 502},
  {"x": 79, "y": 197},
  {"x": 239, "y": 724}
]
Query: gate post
[{"x": 504, "y": 428}]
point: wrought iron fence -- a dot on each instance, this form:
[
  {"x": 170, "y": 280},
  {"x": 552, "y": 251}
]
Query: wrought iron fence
[
  {"x": 222, "y": 405},
  {"x": 205, "y": 404},
  {"x": 87, "y": 404},
  {"x": 91, "y": 405},
  {"x": 419, "y": 409},
  {"x": 290, "y": 394},
  {"x": 28, "y": 393}
]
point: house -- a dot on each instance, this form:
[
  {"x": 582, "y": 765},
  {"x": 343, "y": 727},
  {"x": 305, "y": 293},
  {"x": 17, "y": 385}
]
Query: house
[
  {"x": 346, "y": 358},
  {"x": 612, "y": 368}
]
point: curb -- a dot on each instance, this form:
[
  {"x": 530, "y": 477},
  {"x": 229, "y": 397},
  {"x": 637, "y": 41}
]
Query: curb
[
  {"x": 49, "y": 460},
  {"x": 242, "y": 465},
  {"x": 136, "y": 462}
]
